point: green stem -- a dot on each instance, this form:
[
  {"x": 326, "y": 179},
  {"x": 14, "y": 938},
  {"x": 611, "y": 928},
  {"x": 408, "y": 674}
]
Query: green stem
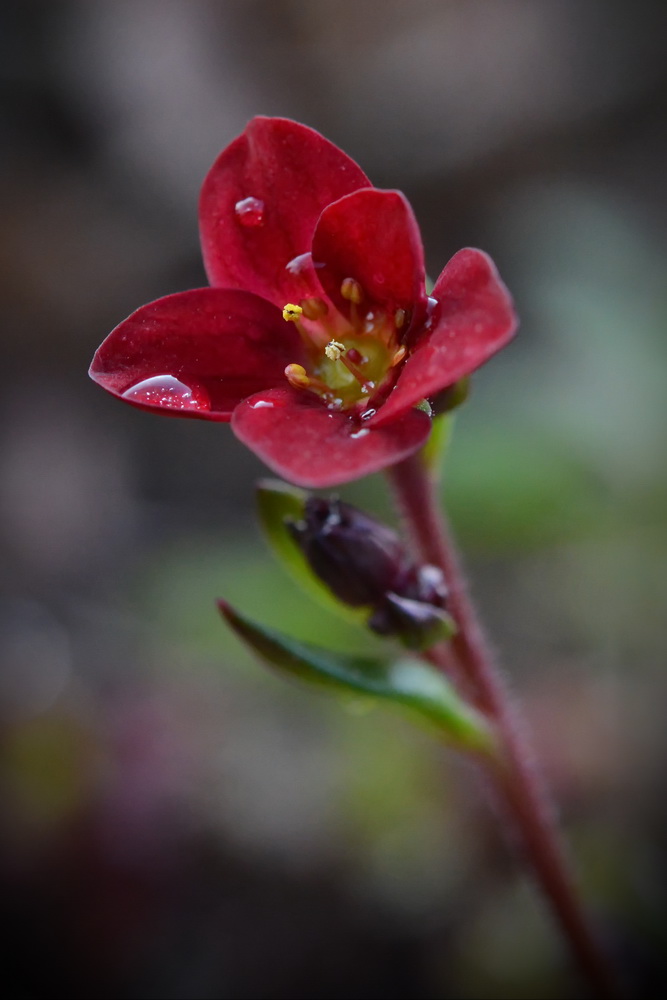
[{"x": 516, "y": 778}]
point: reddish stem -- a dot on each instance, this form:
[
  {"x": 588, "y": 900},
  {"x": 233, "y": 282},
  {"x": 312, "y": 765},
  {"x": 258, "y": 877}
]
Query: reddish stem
[{"x": 515, "y": 775}]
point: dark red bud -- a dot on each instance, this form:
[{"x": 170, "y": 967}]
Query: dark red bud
[
  {"x": 358, "y": 558},
  {"x": 365, "y": 564}
]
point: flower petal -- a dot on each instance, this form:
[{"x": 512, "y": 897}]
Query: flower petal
[
  {"x": 261, "y": 200},
  {"x": 309, "y": 445},
  {"x": 371, "y": 236},
  {"x": 197, "y": 353},
  {"x": 473, "y": 318}
]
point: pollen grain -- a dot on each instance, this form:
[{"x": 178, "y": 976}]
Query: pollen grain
[{"x": 292, "y": 313}]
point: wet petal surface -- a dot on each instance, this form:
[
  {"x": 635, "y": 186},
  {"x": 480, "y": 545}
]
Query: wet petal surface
[
  {"x": 311, "y": 446},
  {"x": 197, "y": 353},
  {"x": 261, "y": 200}
]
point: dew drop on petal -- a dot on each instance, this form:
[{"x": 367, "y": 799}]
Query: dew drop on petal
[
  {"x": 165, "y": 390},
  {"x": 431, "y": 306},
  {"x": 250, "y": 212},
  {"x": 362, "y": 433},
  {"x": 300, "y": 264},
  {"x": 262, "y": 404},
  {"x": 367, "y": 414}
]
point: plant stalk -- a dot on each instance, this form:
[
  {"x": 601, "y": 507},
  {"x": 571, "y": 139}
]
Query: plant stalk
[{"x": 515, "y": 775}]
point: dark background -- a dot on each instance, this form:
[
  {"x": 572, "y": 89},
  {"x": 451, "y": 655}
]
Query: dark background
[{"x": 176, "y": 822}]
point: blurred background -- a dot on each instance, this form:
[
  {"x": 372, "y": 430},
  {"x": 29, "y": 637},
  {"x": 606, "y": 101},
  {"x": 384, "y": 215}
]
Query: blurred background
[{"x": 175, "y": 821}]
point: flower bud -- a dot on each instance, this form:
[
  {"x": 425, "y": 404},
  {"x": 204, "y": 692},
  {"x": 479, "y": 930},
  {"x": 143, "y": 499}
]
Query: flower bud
[
  {"x": 365, "y": 564},
  {"x": 358, "y": 558}
]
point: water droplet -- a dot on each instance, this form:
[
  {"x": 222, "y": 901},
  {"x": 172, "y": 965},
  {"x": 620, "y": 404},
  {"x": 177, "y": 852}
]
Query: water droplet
[
  {"x": 367, "y": 414},
  {"x": 431, "y": 305},
  {"x": 300, "y": 264},
  {"x": 165, "y": 390},
  {"x": 262, "y": 404},
  {"x": 359, "y": 434},
  {"x": 250, "y": 212}
]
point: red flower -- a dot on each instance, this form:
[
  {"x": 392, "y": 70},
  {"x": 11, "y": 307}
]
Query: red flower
[{"x": 292, "y": 229}]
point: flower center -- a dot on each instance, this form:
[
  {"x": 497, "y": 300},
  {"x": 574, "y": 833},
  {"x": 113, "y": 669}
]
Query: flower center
[{"x": 348, "y": 361}]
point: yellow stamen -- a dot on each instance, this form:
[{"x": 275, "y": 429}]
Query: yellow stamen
[
  {"x": 398, "y": 357},
  {"x": 352, "y": 291},
  {"x": 297, "y": 377},
  {"x": 334, "y": 350},
  {"x": 399, "y": 318},
  {"x": 291, "y": 313},
  {"x": 314, "y": 308}
]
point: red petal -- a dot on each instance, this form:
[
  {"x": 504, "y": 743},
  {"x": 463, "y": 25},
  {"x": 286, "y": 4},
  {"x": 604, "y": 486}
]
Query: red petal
[
  {"x": 299, "y": 439},
  {"x": 220, "y": 344},
  {"x": 371, "y": 236},
  {"x": 474, "y": 317},
  {"x": 292, "y": 173}
]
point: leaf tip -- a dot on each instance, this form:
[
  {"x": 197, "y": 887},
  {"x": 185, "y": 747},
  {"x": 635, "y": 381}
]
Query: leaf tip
[{"x": 225, "y": 610}]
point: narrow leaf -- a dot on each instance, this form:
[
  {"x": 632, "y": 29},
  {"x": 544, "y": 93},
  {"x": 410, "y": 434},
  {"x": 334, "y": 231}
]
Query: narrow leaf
[{"x": 408, "y": 683}]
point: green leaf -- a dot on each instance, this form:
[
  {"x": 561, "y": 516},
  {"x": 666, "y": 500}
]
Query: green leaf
[
  {"x": 407, "y": 682},
  {"x": 277, "y": 503}
]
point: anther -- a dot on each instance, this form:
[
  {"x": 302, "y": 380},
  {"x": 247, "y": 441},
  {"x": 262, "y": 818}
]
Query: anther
[
  {"x": 292, "y": 313},
  {"x": 398, "y": 357},
  {"x": 399, "y": 318},
  {"x": 297, "y": 377},
  {"x": 334, "y": 350},
  {"x": 314, "y": 308},
  {"x": 352, "y": 291}
]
